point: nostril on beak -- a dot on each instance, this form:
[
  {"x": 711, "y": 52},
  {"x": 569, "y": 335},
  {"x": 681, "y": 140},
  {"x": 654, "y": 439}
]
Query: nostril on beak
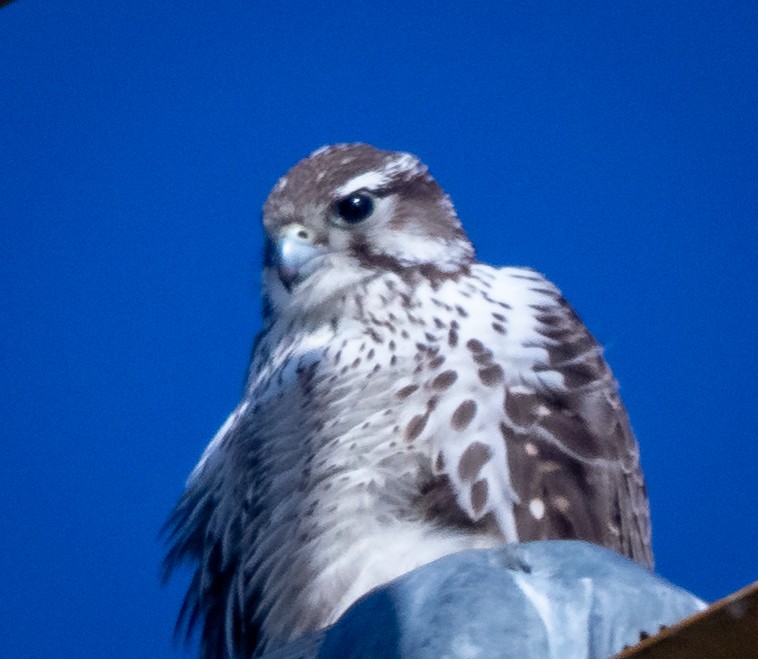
[{"x": 295, "y": 254}]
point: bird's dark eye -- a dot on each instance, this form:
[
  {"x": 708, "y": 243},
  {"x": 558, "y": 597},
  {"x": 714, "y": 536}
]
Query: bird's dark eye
[{"x": 355, "y": 207}]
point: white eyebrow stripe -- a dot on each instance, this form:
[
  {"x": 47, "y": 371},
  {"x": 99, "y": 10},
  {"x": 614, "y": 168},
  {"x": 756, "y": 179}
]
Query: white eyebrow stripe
[{"x": 366, "y": 181}]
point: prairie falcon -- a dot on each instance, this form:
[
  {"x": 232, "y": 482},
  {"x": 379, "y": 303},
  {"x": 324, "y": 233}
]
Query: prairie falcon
[{"x": 403, "y": 402}]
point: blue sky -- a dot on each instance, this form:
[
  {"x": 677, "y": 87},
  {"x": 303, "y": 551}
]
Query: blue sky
[{"x": 612, "y": 146}]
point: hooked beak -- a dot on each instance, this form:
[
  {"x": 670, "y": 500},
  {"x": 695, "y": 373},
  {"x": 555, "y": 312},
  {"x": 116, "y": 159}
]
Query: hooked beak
[{"x": 295, "y": 255}]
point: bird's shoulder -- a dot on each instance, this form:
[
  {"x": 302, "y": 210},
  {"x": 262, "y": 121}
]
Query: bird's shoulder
[{"x": 527, "y": 423}]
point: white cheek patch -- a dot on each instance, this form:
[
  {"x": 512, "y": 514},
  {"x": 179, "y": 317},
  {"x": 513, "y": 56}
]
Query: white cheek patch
[
  {"x": 384, "y": 210},
  {"x": 409, "y": 248}
]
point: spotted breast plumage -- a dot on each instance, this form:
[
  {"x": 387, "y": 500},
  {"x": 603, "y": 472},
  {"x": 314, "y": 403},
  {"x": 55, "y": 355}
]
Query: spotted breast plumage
[{"x": 403, "y": 402}]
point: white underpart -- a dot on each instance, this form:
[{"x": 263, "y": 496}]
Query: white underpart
[
  {"x": 364, "y": 474},
  {"x": 360, "y": 543},
  {"x": 402, "y": 548}
]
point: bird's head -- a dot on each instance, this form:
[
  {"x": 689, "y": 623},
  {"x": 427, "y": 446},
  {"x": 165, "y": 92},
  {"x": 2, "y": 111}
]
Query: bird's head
[{"x": 351, "y": 211}]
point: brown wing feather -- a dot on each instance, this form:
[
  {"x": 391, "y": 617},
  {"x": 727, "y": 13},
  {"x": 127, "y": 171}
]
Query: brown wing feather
[
  {"x": 204, "y": 531},
  {"x": 573, "y": 458}
]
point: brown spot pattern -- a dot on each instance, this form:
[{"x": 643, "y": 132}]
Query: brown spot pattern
[
  {"x": 463, "y": 415},
  {"x": 473, "y": 459},
  {"x": 521, "y": 408},
  {"x": 406, "y": 391},
  {"x": 475, "y": 345},
  {"x": 491, "y": 376},
  {"x": 444, "y": 380},
  {"x": 479, "y": 491},
  {"x": 483, "y": 358},
  {"x": 580, "y": 375},
  {"x": 437, "y": 362},
  {"x": 415, "y": 426}
]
